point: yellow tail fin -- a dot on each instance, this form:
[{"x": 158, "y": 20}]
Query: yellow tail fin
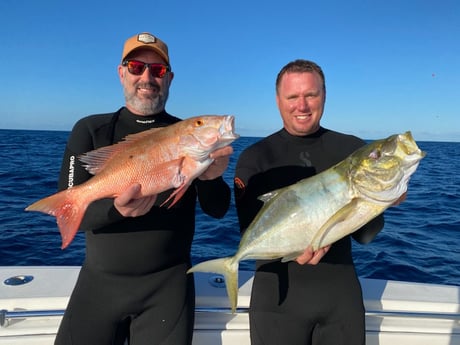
[{"x": 229, "y": 269}]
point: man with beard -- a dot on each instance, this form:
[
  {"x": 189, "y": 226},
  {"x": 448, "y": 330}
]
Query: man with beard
[{"x": 133, "y": 283}]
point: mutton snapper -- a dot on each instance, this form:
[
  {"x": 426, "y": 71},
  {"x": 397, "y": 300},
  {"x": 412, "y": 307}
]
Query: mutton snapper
[
  {"x": 158, "y": 159},
  {"x": 320, "y": 210}
]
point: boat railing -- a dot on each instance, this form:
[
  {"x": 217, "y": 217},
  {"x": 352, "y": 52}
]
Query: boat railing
[{"x": 7, "y": 316}]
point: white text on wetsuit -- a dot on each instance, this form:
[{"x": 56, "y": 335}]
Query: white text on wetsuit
[{"x": 71, "y": 171}]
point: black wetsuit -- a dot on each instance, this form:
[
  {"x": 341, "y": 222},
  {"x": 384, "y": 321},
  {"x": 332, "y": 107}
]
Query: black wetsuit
[
  {"x": 133, "y": 279},
  {"x": 291, "y": 303}
]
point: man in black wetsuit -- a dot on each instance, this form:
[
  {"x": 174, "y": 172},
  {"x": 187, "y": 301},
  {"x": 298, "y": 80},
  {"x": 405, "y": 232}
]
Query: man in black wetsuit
[
  {"x": 291, "y": 303},
  {"x": 133, "y": 283}
]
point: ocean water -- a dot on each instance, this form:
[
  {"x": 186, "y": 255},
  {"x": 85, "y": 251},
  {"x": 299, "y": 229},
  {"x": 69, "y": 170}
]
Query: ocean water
[{"x": 420, "y": 241}]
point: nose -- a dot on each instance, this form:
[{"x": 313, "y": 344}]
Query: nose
[
  {"x": 302, "y": 104},
  {"x": 146, "y": 75}
]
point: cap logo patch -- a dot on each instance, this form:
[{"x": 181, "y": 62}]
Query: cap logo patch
[{"x": 146, "y": 38}]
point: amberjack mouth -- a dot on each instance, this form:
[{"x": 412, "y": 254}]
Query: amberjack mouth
[{"x": 408, "y": 145}]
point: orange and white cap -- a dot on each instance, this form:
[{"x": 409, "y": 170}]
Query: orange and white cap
[{"x": 145, "y": 40}]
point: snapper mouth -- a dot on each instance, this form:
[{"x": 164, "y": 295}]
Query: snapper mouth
[{"x": 226, "y": 130}]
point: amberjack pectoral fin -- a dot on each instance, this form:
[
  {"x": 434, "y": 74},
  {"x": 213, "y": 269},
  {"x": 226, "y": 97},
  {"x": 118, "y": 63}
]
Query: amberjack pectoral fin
[{"x": 336, "y": 218}]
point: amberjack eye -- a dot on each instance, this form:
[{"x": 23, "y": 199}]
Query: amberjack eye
[{"x": 375, "y": 154}]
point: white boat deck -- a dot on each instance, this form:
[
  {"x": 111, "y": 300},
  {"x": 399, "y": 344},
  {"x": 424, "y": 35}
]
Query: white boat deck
[{"x": 396, "y": 312}]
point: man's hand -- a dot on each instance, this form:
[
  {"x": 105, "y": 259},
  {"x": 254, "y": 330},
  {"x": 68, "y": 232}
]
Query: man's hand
[
  {"x": 221, "y": 158},
  {"x": 310, "y": 257},
  {"x": 130, "y": 204}
]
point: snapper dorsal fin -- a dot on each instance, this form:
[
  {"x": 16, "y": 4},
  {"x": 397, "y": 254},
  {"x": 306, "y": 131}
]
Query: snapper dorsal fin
[{"x": 96, "y": 160}]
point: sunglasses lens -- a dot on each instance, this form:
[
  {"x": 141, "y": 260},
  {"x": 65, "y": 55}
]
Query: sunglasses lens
[
  {"x": 136, "y": 67},
  {"x": 158, "y": 71}
]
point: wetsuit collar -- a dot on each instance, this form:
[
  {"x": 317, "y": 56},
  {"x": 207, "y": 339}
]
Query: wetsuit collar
[
  {"x": 307, "y": 139},
  {"x": 146, "y": 119}
]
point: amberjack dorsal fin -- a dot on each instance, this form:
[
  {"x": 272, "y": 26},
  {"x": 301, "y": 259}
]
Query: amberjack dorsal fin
[{"x": 268, "y": 196}]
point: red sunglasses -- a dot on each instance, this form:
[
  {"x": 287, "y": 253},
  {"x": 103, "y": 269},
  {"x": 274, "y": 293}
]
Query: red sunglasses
[{"x": 157, "y": 70}]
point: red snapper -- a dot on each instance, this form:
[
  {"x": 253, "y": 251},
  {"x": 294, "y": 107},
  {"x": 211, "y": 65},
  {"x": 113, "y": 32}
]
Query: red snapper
[{"x": 158, "y": 159}]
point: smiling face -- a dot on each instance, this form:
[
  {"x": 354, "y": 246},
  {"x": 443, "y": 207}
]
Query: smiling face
[
  {"x": 300, "y": 98},
  {"x": 145, "y": 94}
]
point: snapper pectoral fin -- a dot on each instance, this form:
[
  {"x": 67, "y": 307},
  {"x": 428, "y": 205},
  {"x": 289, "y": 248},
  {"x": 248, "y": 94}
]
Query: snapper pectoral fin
[
  {"x": 336, "y": 218},
  {"x": 177, "y": 195}
]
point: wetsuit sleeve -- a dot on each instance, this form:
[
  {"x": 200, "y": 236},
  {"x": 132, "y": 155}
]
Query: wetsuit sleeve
[
  {"x": 101, "y": 212},
  {"x": 246, "y": 194},
  {"x": 213, "y": 196}
]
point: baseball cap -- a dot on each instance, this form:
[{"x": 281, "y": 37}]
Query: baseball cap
[{"x": 148, "y": 41}]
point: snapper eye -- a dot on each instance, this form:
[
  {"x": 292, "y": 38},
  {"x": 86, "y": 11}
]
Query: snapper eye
[
  {"x": 375, "y": 154},
  {"x": 199, "y": 123}
]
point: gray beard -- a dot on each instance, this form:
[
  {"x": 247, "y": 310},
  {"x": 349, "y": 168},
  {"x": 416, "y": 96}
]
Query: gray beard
[{"x": 147, "y": 106}]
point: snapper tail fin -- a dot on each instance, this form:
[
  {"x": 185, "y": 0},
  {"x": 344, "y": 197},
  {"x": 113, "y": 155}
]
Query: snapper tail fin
[
  {"x": 229, "y": 269},
  {"x": 67, "y": 209}
]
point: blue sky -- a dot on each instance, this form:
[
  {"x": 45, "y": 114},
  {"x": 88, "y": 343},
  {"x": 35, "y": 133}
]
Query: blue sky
[{"x": 390, "y": 66}]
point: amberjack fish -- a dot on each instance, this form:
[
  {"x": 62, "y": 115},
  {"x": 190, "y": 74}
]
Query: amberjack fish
[
  {"x": 158, "y": 159},
  {"x": 324, "y": 208}
]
